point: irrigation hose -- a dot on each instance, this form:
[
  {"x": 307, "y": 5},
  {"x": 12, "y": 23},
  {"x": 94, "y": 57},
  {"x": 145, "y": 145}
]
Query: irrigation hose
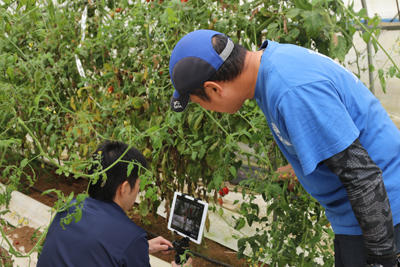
[{"x": 210, "y": 260}]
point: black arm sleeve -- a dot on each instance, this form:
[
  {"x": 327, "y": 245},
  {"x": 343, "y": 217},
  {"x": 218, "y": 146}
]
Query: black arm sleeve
[{"x": 362, "y": 179}]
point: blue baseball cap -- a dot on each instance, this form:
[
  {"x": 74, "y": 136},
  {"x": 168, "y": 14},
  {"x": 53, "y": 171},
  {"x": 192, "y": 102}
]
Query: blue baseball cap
[{"x": 193, "y": 61}]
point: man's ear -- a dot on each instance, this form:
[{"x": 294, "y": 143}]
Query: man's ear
[
  {"x": 124, "y": 188},
  {"x": 212, "y": 88}
]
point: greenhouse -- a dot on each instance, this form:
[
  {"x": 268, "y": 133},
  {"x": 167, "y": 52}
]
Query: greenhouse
[{"x": 200, "y": 133}]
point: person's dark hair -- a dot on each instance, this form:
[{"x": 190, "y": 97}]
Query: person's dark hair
[
  {"x": 233, "y": 65},
  {"x": 230, "y": 69},
  {"x": 107, "y": 153}
]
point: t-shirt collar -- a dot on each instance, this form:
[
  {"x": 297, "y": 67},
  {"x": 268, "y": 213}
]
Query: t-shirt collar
[{"x": 257, "y": 93}]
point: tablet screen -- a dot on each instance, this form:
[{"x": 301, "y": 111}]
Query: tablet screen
[{"x": 188, "y": 217}]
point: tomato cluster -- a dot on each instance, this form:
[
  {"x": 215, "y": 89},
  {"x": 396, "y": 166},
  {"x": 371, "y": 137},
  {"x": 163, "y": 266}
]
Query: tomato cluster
[{"x": 223, "y": 191}]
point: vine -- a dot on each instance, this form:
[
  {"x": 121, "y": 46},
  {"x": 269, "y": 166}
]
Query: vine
[{"x": 125, "y": 96}]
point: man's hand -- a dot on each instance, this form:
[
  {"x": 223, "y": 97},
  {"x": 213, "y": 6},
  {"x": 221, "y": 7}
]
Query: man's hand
[
  {"x": 159, "y": 244},
  {"x": 188, "y": 263},
  {"x": 286, "y": 173}
]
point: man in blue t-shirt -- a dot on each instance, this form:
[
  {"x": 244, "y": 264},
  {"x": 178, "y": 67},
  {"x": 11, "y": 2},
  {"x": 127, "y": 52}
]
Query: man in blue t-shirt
[
  {"x": 105, "y": 236},
  {"x": 342, "y": 145}
]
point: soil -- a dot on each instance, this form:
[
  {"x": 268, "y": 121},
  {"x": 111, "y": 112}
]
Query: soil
[
  {"x": 23, "y": 238},
  {"x": 157, "y": 226}
]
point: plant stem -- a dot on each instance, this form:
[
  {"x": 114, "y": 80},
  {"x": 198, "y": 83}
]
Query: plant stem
[{"x": 216, "y": 122}]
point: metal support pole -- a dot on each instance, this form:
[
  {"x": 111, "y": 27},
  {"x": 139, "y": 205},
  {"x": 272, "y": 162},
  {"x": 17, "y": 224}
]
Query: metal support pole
[{"x": 371, "y": 75}]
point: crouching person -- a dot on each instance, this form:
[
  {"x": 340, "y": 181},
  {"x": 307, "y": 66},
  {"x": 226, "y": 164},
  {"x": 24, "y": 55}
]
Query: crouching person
[{"x": 104, "y": 236}]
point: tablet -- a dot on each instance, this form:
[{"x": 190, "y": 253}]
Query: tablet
[{"x": 188, "y": 216}]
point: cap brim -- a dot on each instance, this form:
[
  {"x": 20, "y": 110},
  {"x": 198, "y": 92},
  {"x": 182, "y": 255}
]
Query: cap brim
[{"x": 179, "y": 102}]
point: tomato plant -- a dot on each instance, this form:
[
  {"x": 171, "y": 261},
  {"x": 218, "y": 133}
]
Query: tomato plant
[{"x": 53, "y": 110}]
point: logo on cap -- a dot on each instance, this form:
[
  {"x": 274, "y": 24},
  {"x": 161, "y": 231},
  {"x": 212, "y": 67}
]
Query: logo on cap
[{"x": 177, "y": 104}]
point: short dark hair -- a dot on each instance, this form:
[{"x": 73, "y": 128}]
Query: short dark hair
[
  {"x": 230, "y": 69},
  {"x": 107, "y": 153}
]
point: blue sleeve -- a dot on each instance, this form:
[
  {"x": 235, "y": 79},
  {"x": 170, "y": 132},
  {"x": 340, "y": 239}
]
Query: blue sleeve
[
  {"x": 317, "y": 123},
  {"x": 137, "y": 253}
]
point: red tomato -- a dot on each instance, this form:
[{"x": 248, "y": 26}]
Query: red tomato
[
  {"x": 221, "y": 192},
  {"x": 220, "y": 201},
  {"x": 225, "y": 190}
]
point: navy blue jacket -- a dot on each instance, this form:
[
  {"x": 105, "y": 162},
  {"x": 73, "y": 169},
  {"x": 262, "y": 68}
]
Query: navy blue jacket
[{"x": 104, "y": 236}]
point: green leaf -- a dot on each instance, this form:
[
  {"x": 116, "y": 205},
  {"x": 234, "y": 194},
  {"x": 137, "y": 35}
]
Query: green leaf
[
  {"x": 303, "y": 4},
  {"x": 103, "y": 179},
  {"x": 48, "y": 128},
  {"x": 198, "y": 143},
  {"x": 375, "y": 45},
  {"x": 78, "y": 214},
  {"x": 202, "y": 152},
  {"x": 53, "y": 140},
  {"x": 251, "y": 218},
  {"x": 362, "y": 12},
  {"x": 143, "y": 209},
  {"x": 198, "y": 120},
  {"x": 233, "y": 171},
  {"x": 340, "y": 50},
  {"x": 382, "y": 79},
  {"x": 153, "y": 129},
  {"x": 130, "y": 168},
  {"x": 80, "y": 197},
  {"x": 293, "y": 12},
  {"x": 10, "y": 72},
  {"x": 137, "y": 102},
  {"x": 272, "y": 26},
  {"x": 3, "y": 212},
  {"x": 366, "y": 36},
  {"x": 317, "y": 2},
  {"x": 392, "y": 71},
  {"x": 313, "y": 22},
  {"x": 70, "y": 197},
  {"x": 293, "y": 33},
  {"x": 240, "y": 223},
  {"x": 194, "y": 155},
  {"x": 213, "y": 146},
  {"x": 23, "y": 163}
]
